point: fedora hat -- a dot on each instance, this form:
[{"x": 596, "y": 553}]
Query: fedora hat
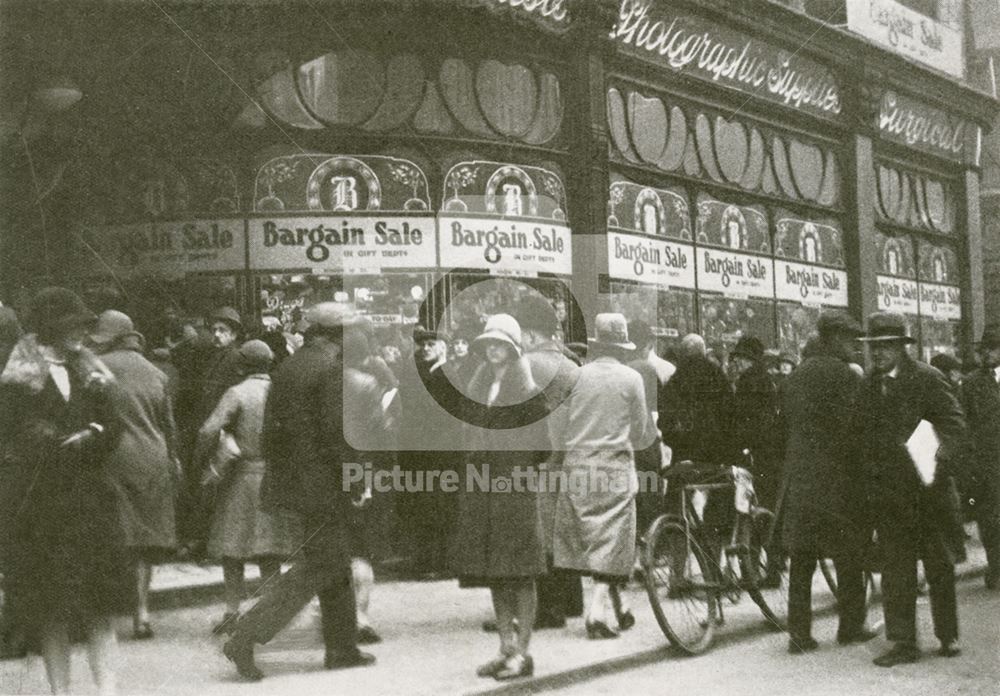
[
  {"x": 748, "y": 347},
  {"x": 228, "y": 316},
  {"x": 884, "y": 327},
  {"x": 831, "y": 323},
  {"x": 112, "y": 326},
  {"x": 503, "y": 328},
  {"x": 611, "y": 331}
]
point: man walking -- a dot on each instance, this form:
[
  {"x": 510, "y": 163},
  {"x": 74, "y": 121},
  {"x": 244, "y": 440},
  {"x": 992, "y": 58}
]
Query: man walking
[
  {"x": 822, "y": 505},
  {"x": 981, "y": 400},
  {"x": 305, "y": 448},
  {"x": 913, "y": 520},
  {"x": 560, "y": 592}
]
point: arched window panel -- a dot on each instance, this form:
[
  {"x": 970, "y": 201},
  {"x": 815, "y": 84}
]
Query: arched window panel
[
  {"x": 937, "y": 263},
  {"x": 343, "y": 88},
  {"x": 915, "y": 199},
  {"x": 654, "y": 131},
  {"x": 313, "y": 182},
  {"x": 504, "y": 189},
  {"x": 150, "y": 189},
  {"x": 735, "y": 227},
  {"x": 894, "y": 255},
  {"x": 655, "y": 211},
  {"x": 278, "y": 96},
  {"x": 810, "y": 241}
]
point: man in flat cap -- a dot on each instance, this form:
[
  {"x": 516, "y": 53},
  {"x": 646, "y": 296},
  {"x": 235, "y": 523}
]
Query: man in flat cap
[
  {"x": 914, "y": 520},
  {"x": 305, "y": 447},
  {"x": 822, "y": 506},
  {"x": 981, "y": 400}
]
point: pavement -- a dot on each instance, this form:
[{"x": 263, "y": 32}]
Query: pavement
[{"x": 432, "y": 644}]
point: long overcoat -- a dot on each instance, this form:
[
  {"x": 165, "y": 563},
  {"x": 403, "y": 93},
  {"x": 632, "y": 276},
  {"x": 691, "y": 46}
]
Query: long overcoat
[
  {"x": 981, "y": 401},
  {"x": 555, "y": 375},
  {"x": 822, "y": 506},
  {"x": 605, "y": 422},
  {"x": 756, "y": 426},
  {"x": 65, "y": 558},
  {"x": 143, "y": 466},
  {"x": 896, "y": 495},
  {"x": 498, "y": 531},
  {"x": 303, "y": 443}
]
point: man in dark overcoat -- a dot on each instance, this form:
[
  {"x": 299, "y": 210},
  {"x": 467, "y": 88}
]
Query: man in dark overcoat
[
  {"x": 560, "y": 592},
  {"x": 823, "y": 498},
  {"x": 981, "y": 401},
  {"x": 913, "y": 520},
  {"x": 305, "y": 449}
]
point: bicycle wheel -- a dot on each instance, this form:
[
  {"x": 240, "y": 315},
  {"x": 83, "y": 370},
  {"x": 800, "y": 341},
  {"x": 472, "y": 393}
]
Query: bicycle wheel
[
  {"x": 767, "y": 575},
  {"x": 830, "y": 575},
  {"x": 677, "y": 582}
]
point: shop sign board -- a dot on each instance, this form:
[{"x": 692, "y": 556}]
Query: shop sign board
[
  {"x": 940, "y": 301},
  {"x": 165, "y": 248},
  {"x": 650, "y": 260},
  {"x": 807, "y": 284},
  {"x": 349, "y": 244},
  {"x": 660, "y": 33},
  {"x": 913, "y": 35},
  {"x": 734, "y": 274},
  {"x": 914, "y": 124},
  {"x": 899, "y": 295},
  {"x": 505, "y": 246}
]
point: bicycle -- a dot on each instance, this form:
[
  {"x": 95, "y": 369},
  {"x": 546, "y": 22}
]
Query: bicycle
[{"x": 690, "y": 566}]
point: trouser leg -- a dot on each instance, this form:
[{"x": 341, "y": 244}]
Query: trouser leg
[
  {"x": 988, "y": 521},
  {"x": 283, "y": 599},
  {"x": 800, "y": 596},
  {"x": 851, "y": 610},
  {"x": 944, "y": 608},
  {"x": 899, "y": 585},
  {"x": 340, "y": 618}
]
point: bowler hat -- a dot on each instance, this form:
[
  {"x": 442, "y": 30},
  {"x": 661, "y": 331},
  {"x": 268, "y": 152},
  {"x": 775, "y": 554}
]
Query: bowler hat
[
  {"x": 229, "y": 316},
  {"x": 422, "y": 333},
  {"x": 991, "y": 337},
  {"x": 748, "y": 347},
  {"x": 503, "y": 328},
  {"x": 946, "y": 363},
  {"x": 884, "y": 327},
  {"x": 53, "y": 311},
  {"x": 536, "y": 313},
  {"x": 611, "y": 331},
  {"x": 113, "y": 325},
  {"x": 835, "y": 322},
  {"x": 256, "y": 354}
]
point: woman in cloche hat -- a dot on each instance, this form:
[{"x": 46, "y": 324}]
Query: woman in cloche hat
[
  {"x": 498, "y": 537},
  {"x": 66, "y": 569}
]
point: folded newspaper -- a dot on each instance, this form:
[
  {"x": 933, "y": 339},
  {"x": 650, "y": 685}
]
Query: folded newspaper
[{"x": 923, "y": 447}]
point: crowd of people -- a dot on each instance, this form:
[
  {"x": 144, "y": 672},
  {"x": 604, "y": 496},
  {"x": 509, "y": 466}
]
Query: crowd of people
[{"x": 230, "y": 444}]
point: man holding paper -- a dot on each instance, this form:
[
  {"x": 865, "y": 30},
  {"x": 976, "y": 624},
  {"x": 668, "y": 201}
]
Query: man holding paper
[{"x": 913, "y": 427}]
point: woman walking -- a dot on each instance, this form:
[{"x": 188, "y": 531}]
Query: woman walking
[
  {"x": 65, "y": 566},
  {"x": 605, "y": 423},
  {"x": 241, "y": 531},
  {"x": 144, "y": 468},
  {"x": 498, "y": 537}
]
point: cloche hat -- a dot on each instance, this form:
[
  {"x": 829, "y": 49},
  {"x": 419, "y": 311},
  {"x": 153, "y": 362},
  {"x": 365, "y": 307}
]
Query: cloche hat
[{"x": 503, "y": 328}]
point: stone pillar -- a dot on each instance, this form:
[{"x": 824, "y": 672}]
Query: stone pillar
[
  {"x": 860, "y": 247},
  {"x": 973, "y": 311}
]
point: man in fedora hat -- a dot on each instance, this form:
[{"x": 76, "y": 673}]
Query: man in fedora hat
[
  {"x": 822, "y": 506},
  {"x": 304, "y": 444},
  {"x": 981, "y": 399},
  {"x": 913, "y": 521},
  {"x": 604, "y": 422}
]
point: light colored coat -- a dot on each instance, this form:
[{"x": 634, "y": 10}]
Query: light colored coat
[{"x": 595, "y": 517}]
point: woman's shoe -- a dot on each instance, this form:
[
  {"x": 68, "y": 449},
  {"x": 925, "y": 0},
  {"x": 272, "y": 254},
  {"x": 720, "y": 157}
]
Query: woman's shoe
[
  {"x": 142, "y": 631},
  {"x": 491, "y": 668},
  {"x": 626, "y": 620},
  {"x": 515, "y": 667},
  {"x": 598, "y": 630}
]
